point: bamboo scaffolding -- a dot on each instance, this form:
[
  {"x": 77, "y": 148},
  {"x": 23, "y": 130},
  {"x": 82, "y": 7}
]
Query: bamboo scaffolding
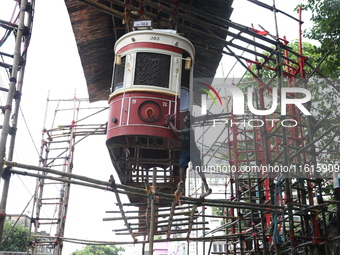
[
  {"x": 262, "y": 193},
  {"x": 294, "y": 152},
  {"x": 229, "y": 237},
  {"x": 159, "y": 226},
  {"x": 17, "y": 71},
  {"x": 135, "y": 191}
]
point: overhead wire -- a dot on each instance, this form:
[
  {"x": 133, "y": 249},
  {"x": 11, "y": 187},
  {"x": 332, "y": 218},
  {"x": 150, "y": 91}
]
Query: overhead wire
[{"x": 29, "y": 131}]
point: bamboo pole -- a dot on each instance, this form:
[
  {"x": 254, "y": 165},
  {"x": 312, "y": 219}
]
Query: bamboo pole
[
  {"x": 136, "y": 191},
  {"x": 191, "y": 221},
  {"x": 162, "y": 232},
  {"x": 63, "y": 205},
  {"x": 39, "y": 187},
  {"x": 173, "y": 206},
  {"x": 13, "y": 81},
  {"x": 158, "y": 226},
  {"x": 148, "y": 207},
  {"x": 8, "y": 109},
  {"x": 103, "y": 183},
  {"x": 94, "y": 242},
  {"x": 250, "y": 193},
  {"x": 313, "y": 141},
  {"x": 199, "y": 21},
  {"x": 153, "y": 214},
  {"x": 158, "y": 210},
  {"x": 113, "y": 185}
]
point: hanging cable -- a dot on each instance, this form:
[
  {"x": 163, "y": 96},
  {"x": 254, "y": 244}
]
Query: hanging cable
[{"x": 29, "y": 131}]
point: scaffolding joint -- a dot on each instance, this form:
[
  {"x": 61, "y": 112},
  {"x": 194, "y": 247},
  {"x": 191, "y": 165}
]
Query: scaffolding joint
[
  {"x": 13, "y": 79},
  {"x": 2, "y": 216},
  {"x": 12, "y": 130},
  {"x": 17, "y": 95},
  {"x": 6, "y": 174},
  {"x": 6, "y": 107}
]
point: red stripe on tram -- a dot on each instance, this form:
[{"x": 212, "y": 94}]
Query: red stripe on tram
[{"x": 151, "y": 46}]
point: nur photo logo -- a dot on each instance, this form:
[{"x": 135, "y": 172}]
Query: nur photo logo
[
  {"x": 207, "y": 88},
  {"x": 277, "y": 103}
]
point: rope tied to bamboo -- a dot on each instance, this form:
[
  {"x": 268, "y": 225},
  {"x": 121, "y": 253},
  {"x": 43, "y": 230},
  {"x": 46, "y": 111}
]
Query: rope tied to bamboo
[
  {"x": 177, "y": 198},
  {"x": 313, "y": 240},
  {"x": 17, "y": 95},
  {"x": 7, "y": 172},
  {"x": 6, "y": 107},
  {"x": 141, "y": 8},
  {"x": 174, "y": 11}
]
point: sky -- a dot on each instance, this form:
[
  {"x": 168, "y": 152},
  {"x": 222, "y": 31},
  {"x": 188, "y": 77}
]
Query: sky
[{"x": 54, "y": 67}]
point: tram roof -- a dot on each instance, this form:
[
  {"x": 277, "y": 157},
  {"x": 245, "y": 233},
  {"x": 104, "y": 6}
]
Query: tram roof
[{"x": 97, "y": 25}]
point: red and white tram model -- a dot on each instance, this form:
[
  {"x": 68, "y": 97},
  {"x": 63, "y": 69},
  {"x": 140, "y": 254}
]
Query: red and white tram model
[{"x": 152, "y": 78}]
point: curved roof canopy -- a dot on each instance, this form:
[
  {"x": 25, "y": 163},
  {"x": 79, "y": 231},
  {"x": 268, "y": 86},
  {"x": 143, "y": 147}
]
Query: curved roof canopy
[{"x": 97, "y": 24}]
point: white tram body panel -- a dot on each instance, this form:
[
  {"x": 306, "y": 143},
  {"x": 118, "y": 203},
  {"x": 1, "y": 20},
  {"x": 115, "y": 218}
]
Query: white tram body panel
[
  {"x": 152, "y": 78},
  {"x": 148, "y": 82}
]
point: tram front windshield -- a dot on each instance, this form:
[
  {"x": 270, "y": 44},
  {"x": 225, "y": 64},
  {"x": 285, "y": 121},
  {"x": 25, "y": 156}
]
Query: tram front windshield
[{"x": 152, "y": 69}]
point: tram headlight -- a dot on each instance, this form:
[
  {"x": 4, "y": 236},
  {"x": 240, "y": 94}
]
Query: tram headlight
[{"x": 149, "y": 112}]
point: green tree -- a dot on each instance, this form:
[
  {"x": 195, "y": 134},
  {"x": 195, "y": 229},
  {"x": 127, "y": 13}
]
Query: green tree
[
  {"x": 326, "y": 30},
  {"x": 99, "y": 250},
  {"x": 16, "y": 239},
  {"x": 219, "y": 211}
]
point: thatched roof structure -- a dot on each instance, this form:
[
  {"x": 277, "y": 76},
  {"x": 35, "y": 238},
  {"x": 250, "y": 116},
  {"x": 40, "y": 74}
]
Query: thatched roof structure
[{"x": 98, "y": 24}]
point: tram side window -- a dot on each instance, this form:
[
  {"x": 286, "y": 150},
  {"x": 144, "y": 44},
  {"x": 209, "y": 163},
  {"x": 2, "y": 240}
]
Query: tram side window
[
  {"x": 118, "y": 77},
  {"x": 152, "y": 69},
  {"x": 185, "y": 80}
]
